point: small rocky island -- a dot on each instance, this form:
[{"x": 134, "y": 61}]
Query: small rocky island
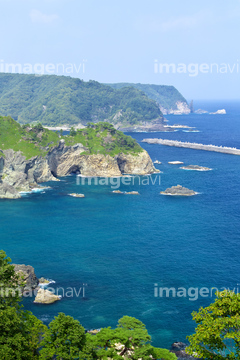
[
  {"x": 33, "y": 155},
  {"x": 195, "y": 167},
  {"x": 178, "y": 191}
]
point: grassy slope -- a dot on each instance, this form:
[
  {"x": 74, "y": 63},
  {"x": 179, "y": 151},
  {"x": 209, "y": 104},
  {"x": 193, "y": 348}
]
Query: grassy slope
[
  {"x": 57, "y": 100},
  {"x": 164, "y": 95},
  {"x": 98, "y": 138}
]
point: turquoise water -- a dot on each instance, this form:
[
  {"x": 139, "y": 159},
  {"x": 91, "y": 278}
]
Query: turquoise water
[{"x": 121, "y": 245}]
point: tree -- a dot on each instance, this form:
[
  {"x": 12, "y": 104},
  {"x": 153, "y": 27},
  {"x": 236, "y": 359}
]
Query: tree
[
  {"x": 64, "y": 339},
  {"x": 129, "y": 340},
  {"x": 72, "y": 131},
  {"x": 217, "y": 334},
  {"x": 10, "y": 283},
  {"x": 19, "y": 334}
]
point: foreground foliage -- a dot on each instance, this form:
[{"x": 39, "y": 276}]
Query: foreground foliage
[{"x": 218, "y": 329}]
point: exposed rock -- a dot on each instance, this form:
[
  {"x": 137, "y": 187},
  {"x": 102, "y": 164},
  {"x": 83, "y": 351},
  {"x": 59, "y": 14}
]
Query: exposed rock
[
  {"x": 195, "y": 167},
  {"x": 46, "y": 297},
  {"x": 200, "y": 111},
  {"x": 178, "y": 191},
  {"x": 21, "y": 175},
  {"x": 93, "y": 331},
  {"x": 175, "y": 162},
  {"x": 157, "y": 162},
  {"x": 178, "y": 348},
  {"x": 42, "y": 280},
  {"x": 139, "y": 164},
  {"x": 8, "y": 192},
  {"x": 181, "y": 108},
  {"x": 28, "y": 274},
  {"x": 125, "y": 192},
  {"x": 132, "y": 193},
  {"x": 77, "y": 195}
]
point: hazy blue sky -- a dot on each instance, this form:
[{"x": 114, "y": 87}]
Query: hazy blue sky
[{"x": 119, "y": 40}]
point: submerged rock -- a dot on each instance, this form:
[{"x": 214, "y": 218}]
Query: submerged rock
[
  {"x": 178, "y": 191},
  {"x": 125, "y": 192},
  {"x": 46, "y": 297}
]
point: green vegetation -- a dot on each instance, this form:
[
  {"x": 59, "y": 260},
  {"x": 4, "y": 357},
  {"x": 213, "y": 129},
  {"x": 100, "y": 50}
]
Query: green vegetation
[
  {"x": 31, "y": 140},
  {"x": 19, "y": 329},
  {"x": 103, "y": 138},
  {"x": 218, "y": 329},
  {"x": 24, "y": 337},
  {"x": 100, "y": 138},
  {"x": 57, "y": 100},
  {"x": 165, "y": 96}
]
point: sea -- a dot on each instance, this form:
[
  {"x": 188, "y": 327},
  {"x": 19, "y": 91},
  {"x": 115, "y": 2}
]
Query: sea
[{"x": 157, "y": 258}]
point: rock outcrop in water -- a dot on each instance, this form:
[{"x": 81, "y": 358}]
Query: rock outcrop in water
[
  {"x": 27, "y": 273},
  {"x": 46, "y": 297},
  {"x": 178, "y": 191}
]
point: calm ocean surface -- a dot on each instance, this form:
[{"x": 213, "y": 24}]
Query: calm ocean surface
[{"x": 120, "y": 246}]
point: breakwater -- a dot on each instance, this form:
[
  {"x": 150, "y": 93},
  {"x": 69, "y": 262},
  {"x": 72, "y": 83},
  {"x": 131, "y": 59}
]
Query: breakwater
[{"x": 196, "y": 146}]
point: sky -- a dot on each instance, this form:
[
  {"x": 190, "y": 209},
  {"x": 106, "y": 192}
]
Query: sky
[{"x": 192, "y": 45}]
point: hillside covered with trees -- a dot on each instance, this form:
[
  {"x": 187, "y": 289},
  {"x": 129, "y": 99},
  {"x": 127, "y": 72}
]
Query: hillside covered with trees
[
  {"x": 57, "y": 100},
  {"x": 166, "y": 96}
]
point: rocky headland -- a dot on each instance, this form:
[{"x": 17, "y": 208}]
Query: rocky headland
[{"x": 96, "y": 151}]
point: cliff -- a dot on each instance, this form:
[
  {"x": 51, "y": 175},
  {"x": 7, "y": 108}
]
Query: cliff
[{"x": 98, "y": 150}]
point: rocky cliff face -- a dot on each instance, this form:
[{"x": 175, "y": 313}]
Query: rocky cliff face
[
  {"x": 182, "y": 108},
  {"x": 28, "y": 275},
  {"x": 18, "y": 174}
]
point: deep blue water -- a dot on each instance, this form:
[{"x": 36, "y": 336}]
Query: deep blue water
[{"x": 120, "y": 245}]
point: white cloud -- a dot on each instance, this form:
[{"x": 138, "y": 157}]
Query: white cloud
[{"x": 39, "y": 17}]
